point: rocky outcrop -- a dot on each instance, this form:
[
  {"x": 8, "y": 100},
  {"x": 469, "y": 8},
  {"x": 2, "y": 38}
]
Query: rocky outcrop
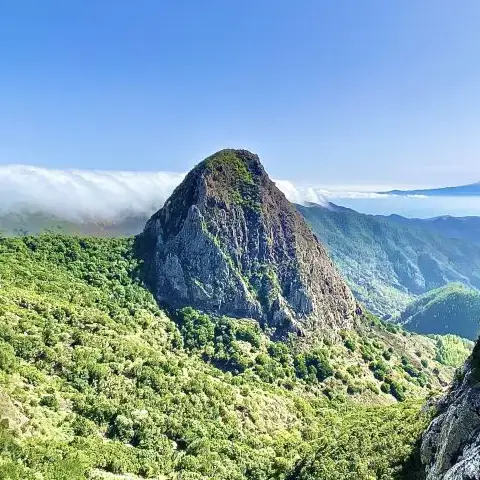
[
  {"x": 228, "y": 242},
  {"x": 451, "y": 446}
]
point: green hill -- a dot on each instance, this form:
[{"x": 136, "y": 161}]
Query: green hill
[
  {"x": 450, "y": 309},
  {"x": 388, "y": 264},
  {"x": 97, "y": 382}
]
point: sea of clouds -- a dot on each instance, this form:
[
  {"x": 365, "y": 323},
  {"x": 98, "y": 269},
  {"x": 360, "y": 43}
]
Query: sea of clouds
[{"x": 109, "y": 195}]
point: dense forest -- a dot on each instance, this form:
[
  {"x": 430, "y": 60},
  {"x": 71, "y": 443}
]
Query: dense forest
[
  {"x": 454, "y": 308},
  {"x": 97, "y": 381}
]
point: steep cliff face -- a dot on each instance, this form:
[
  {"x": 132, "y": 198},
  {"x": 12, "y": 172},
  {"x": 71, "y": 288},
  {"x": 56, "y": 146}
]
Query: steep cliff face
[
  {"x": 228, "y": 242},
  {"x": 451, "y": 446}
]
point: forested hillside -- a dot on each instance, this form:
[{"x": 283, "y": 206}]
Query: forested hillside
[
  {"x": 451, "y": 309},
  {"x": 386, "y": 263},
  {"x": 96, "y": 380}
]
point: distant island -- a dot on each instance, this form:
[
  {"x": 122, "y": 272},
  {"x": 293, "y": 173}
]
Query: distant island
[{"x": 472, "y": 189}]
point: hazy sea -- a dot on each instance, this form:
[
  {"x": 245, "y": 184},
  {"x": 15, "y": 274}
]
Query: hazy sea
[{"x": 415, "y": 207}]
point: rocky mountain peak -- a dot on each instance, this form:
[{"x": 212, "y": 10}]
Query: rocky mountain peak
[{"x": 228, "y": 242}]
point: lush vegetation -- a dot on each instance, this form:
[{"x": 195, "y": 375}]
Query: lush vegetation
[
  {"x": 388, "y": 263},
  {"x": 96, "y": 380},
  {"x": 450, "y": 309},
  {"x": 452, "y": 350},
  {"x": 352, "y": 456},
  {"x": 235, "y": 181}
]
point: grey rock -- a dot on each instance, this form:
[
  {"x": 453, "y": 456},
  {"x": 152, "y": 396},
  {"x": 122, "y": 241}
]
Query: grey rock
[
  {"x": 228, "y": 242},
  {"x": 450, "y": 447}
]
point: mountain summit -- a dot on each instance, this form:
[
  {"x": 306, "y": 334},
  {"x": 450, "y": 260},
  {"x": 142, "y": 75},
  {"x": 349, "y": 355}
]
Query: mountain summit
[{"x": 228, "y": 242}]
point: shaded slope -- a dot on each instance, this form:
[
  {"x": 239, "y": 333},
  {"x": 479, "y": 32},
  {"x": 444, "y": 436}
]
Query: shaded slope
[
  {"x": 387, "y": 264},
  {"x": 450, "y": 309},
  {"x": 463, "y": 228}
]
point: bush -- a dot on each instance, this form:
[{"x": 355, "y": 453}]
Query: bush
[
  {"x": 49, "y": 401},
  {"x": 398, "y": 391},
  {"x": 350, "y": 344},
  {"x": 385, "y": 388},
  {"x": 121, "y": 429},
  {"x": 313, "y": 366},
  {"x": 197, "y": 329},
  {"x": 8, "y": 360},
  {"x": 249, "y": 332}
]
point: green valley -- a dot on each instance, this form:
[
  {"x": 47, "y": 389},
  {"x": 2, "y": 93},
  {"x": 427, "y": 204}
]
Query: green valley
[{"x": 96, "y": 381}]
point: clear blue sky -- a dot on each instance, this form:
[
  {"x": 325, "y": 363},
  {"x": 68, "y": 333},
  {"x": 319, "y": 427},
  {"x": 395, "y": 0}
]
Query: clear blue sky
[{"x": 326, "y": 91}]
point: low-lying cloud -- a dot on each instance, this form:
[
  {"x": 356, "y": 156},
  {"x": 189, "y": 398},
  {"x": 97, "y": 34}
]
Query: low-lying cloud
[
  {"x": 110, "y": 195},
  {"x": 83, "y": 194}
]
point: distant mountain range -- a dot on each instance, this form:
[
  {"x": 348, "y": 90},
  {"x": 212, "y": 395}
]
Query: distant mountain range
[
  {"x": 472, "y": 189},
  {"x": 463, "y": 228},
  {"x": 388, "y": 261}
]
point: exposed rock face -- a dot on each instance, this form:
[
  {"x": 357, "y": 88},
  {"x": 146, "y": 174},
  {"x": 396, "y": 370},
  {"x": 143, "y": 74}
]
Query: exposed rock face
[
  {"x": 451, "y": 446},
  {"x": 228, "y": 242}
]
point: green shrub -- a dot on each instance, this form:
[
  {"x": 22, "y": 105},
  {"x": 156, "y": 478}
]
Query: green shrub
[
  {"x": 49, "y": 401},
  {"x": 313, "y": 366},
  {"x": 8, "y": 360},
  {"x": 398, "y": 391},
  {"x": 197, "y": 329},
  {"x": 385, "y": 388},
  {"x": 350, "y": 344}
]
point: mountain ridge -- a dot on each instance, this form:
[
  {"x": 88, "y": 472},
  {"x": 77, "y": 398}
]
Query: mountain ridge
[
  {"x": 387, "y": 263},
  {"x": 462, "y": 228}
]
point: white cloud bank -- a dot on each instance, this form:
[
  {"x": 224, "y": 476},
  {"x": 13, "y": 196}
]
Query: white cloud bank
[
  {"x": 83, "y": 194},
  {"x": 103, "y": 195}
]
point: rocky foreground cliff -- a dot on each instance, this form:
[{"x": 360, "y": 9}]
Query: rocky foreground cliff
[
  {"x": 451, "y": 446},
  {"x": 228, "y": 242}
]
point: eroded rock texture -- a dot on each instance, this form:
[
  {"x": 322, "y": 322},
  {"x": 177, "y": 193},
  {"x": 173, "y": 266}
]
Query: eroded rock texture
[
  {"x": 228, "y": 242},
  {"x": 451, "y": 445}
]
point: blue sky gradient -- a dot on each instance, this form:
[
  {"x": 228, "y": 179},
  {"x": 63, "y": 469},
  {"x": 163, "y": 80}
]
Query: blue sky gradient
[{"x": 328, "y": 92}]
